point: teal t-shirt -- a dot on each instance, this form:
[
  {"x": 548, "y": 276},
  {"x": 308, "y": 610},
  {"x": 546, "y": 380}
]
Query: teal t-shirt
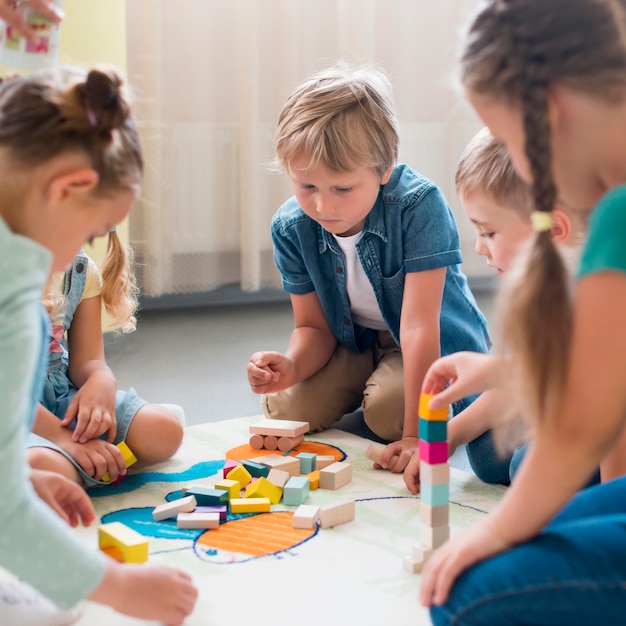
[{"x": 605, "y": 247}]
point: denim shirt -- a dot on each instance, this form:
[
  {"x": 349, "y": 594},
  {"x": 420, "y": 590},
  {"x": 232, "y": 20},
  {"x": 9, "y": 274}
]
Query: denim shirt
[{"x": 410, "y": 228}]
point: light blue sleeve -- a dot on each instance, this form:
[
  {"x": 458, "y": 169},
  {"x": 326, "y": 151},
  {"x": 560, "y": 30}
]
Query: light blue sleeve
[{"x": 35, "y": 544}]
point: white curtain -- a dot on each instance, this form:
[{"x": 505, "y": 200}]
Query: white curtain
[{"x": 209, "y": 78}]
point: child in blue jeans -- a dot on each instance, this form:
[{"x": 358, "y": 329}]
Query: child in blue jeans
[
  {"x": 549, "y": 81},
  {"x": 369, "y": 251},
  {"x": 82, "y": 413}
]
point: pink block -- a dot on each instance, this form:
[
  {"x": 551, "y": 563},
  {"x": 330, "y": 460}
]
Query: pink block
[
  {"x": 435, "y": 452},
  {"x": 229, "y": 465}
]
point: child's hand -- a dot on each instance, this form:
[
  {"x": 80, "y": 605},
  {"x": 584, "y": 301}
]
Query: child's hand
[
  {"x": 93, "y": 407},
  {"x": 16, "y": 18},
  {"x": 67, "y": 499},
  {"x": 412, "y": 473},
  {"x": 97, "y": 457},
  {"x": 475, "y": 544},
  {"x": 269, "y": 372},
  {"x": 403, "y": 450},
  {"x": 149, "y": 592},
  {"x": 461, "y": 374}
]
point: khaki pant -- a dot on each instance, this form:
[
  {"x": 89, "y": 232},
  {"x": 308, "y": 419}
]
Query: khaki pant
[{"x": 373, "y": 380}]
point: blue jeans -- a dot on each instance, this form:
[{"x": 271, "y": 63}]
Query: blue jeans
[
  {"x": 573, "y": 573},
  {"x": 487, "y": 462}
]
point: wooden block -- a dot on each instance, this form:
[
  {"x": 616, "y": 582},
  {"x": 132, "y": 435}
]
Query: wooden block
[
  {"x": 208, "y": 496},
  {"x": 434, "y": 495},
  {"x": 288, "y": 464},
  {"x": 232, "y": 486},
  {"x": 435, "y": 536},
  {"x": 229, "y": 465},
  {"x": 306, "y": 516},
  {"x": 307, "y": 462},
  {"x": 270, "y": 442},
  {"x": 263, "y": 488},
  {"x": 438, "y": 415},
  {"x": 289, "y": 443},
  {"x": 296, "y": 490},
  {"x": 250, "y": 505},
  {"x": 279, "y": 428},
  {"x": 434, "y": 453},
  {"x": 336, "y": 475},
  {"x": 314, "y": 479},
  {"x": 241, "y": 475},
  {"x": 335, "y": 514},
  {"x": 433, "y": 431},
  {"x": 122, "y": 543},
  {"x": 434, "y": 515},
  {"x": 415, "y": 562},
  {"x": 256, "y": 469},
  {"x": 173, "y": 508},
  {"x": 434, "y": 474},
  {"x": 209, "y": 482},
  {"x": 278, "y": 477},
  {"x": 198, "y": 520},
  {"x": 256, "y": 442},
  {"x": 375, "y": 451},
  {"x": 129, "y": 459},
  {"x": 324, "y": 460},
  {"x": 221, "y": 510}
]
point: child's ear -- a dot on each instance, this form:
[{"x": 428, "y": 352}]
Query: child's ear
[
  {"x": 386, "y": 176},
  {"x": 561, "y": 229},
  {"x": 64, "y": 186}
]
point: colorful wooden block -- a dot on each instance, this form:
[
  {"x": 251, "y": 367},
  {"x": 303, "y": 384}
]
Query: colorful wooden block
[
  {"x": 336, "y": 475},
  {"x": 221, "y": 510},
  {"x": 129, "y": 459},
  {"x": 173, "y": 508},
  {"x": 307, "y": 462},
  {"x": 229, "y": 465},
  {"x": 434, "y": 474},
  {"x": 434, "y": 515},
  {"x": 278, "y": 477},
  {"x": 296, "y": 490},
  {"x": 263, "y": 488},
  {"x": 250, "y": 505},
  {"x": 433, "y": 453},
  {"x": 433, "y": 431},
  {"x": 314, "y": 479},
  {"x": 431, "y": 414},
  {"x": 434, "y": 495},
  {"x": 208, "y": 496},
  {"x": 306, "y": 516},
  {"x": 279, "y": 428},
  {"x": 122, "y": 543},
  {"x": 232, "y": 486},
  {"x": 335, "y": 514},
  {"x": 241, "y": 475},
  {"x": 198, "y": 520},
  {"x": 256, "y": 469},
  {"x": 375, "y": 451}
]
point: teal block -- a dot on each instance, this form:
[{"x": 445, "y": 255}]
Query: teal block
[
  {"x": 296, "y": 490},
  {"x": 435, "y": 495},
  {"x": 256, "y": 469},
  {"x": 206, "y": 496},
  {"x": 432, "y": 431},
  {"x": 308, "y": 462}
]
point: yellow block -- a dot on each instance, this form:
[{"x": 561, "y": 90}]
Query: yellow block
[
  {"x": 232, "y": 486},
  {"x": 128, "y": 455},
  {"x": 250, "y": 505},
  {"x": 122, "y": 543},
  {"x": 431, "y": 415},
  {"x": 314, "y": 479},
  {"x": 240, "y": 474},
  {"x": 263, "y": 488}
]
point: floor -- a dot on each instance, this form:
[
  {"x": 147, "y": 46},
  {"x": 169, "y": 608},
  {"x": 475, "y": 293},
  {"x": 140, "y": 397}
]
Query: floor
[{"x": 197, "y": 358}]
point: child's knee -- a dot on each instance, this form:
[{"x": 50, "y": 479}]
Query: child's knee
[{"x": 383, "y": 412}]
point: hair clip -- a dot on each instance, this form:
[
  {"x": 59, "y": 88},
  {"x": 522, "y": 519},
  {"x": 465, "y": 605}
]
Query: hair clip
[
  {"x": 541, "y": 221},
  {"x": 91, "y": 116}
]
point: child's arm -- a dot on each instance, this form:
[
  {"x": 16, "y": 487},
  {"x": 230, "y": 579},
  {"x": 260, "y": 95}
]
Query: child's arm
[
  {"x": 93, "y": 405},
  {"x": 568, "y": 445},
  {"x": 310, "y": 347},
  {"x": 419, "y": 340}
]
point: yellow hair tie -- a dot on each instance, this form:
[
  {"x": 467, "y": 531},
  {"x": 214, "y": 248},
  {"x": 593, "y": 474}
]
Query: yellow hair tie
[{"x": 541, "y": 221}]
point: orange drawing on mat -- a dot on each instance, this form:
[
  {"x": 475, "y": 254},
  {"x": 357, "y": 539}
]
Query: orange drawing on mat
[{"x": 247, "y": 452}]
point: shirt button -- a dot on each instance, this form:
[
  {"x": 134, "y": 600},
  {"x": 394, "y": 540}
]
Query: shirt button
[
  {"x": 79, "y": 268},
  {"x": 339, "y": 270},
  {"x": 346, "y": 321}
]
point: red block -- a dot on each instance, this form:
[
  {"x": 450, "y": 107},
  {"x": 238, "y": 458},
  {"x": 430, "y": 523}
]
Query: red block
[{"x": 435, "y": 452}]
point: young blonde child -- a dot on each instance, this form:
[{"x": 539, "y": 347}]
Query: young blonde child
[
  {"x": 70, "y": 169},
  {"x": 369, "y": 251},
  {"x": 549, "y": 80},
  {"x": 499, "y": 204},
  {"x": 82, "y": 414}
]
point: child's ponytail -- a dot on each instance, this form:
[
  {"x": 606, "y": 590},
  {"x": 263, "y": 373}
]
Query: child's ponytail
[{"x": 119, "y": 289}]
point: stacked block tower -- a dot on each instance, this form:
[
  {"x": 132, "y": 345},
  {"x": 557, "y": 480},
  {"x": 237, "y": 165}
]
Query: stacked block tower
[{"x": 434, "y": 483}]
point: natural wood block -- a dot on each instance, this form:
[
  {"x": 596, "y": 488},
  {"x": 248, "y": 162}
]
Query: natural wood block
[
  {"x": 335, "y": 514},
  {"x": 306, "y": 516},
  {"x": 336, "y": 475},
  {"x": 434, "y": 515},
  {"x": 434, "y": 537},
  {"x": 198, "y": 520},
  {"x": 173, "y": 508},
  {"x": 434, "y": 474},
  {"x": 279, "y": 428}
]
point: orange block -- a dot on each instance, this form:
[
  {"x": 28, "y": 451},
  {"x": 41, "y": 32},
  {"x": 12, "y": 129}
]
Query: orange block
[{"x": 431, "y": 415}]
